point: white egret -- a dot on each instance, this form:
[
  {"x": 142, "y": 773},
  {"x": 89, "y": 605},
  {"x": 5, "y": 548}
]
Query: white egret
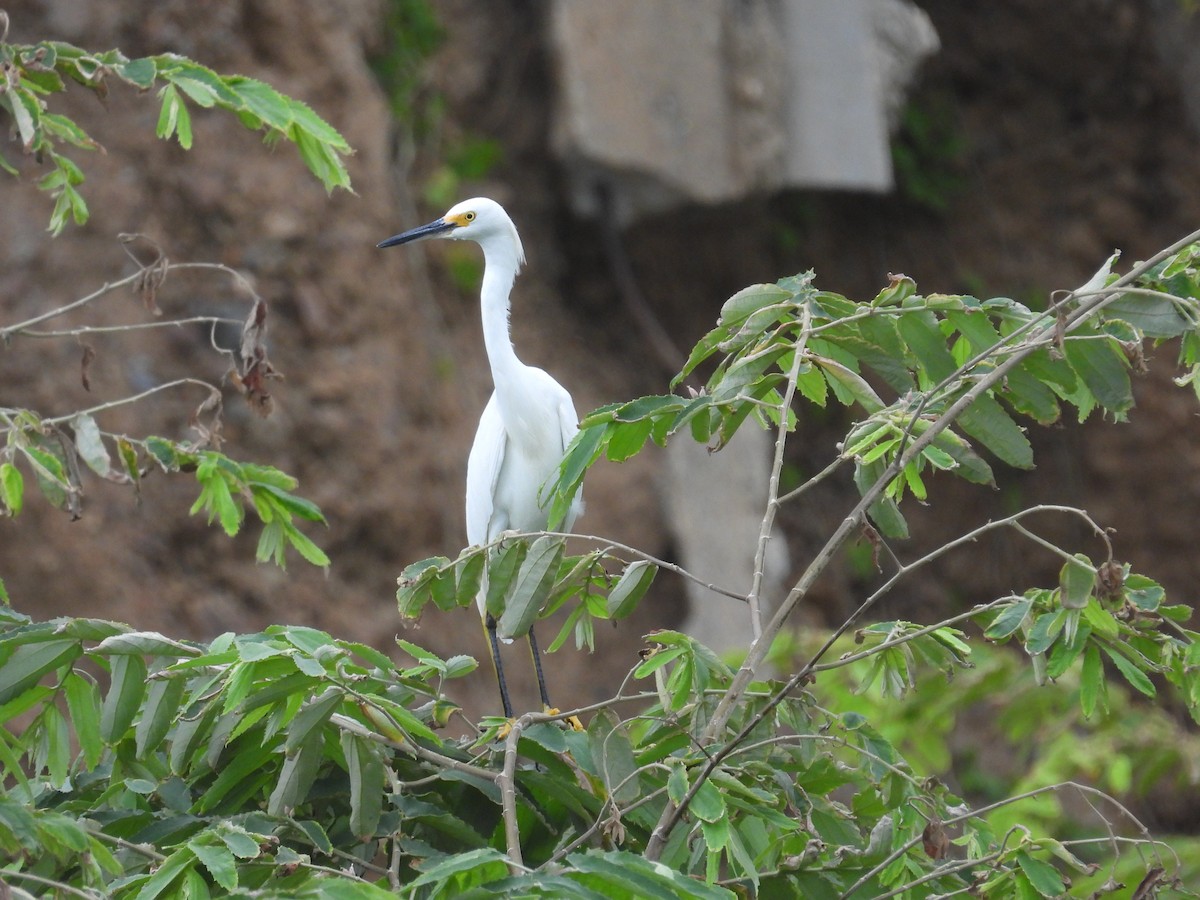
[{"x": 529, "y": 420}]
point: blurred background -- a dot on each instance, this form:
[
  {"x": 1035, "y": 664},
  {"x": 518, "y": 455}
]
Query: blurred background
[{"x": 656, "y": 158}]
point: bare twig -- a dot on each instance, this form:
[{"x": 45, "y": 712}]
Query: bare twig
[{"x": 768, "y": 519}]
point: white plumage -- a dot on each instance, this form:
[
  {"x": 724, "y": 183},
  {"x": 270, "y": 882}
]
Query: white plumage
[{"x": 529, "y": 420}]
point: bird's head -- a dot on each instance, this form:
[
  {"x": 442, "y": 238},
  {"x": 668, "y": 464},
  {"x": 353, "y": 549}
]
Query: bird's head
[{"x": 480, "y": 220}]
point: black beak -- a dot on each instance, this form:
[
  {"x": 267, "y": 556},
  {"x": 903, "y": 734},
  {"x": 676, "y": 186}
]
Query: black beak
[{"x": 433, "y": 229}]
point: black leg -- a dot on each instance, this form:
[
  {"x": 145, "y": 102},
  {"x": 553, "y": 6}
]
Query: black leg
[
  {"x": 490, "y": 624},
  {"x": 537, "y": 667}
]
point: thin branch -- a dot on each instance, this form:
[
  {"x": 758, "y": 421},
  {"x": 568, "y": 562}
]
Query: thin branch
[
  {"x": 506, "y": 782},
  {"x": 1084, "y": 789},
  {"x": 124, "y": 401},
  {"x": 48, "y": 882},
  {"x": 133, "y": 326},
  {"x": 1012, "y": 521},
  {"x": 432, "y": 756},
  {"x": 795, "y": 492},
  {"x": 9, "y": 330},
  {"x": 611, "y": 545},
  {"x": 768, "y": 519}
]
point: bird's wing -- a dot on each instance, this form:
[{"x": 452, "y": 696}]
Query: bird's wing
[
  {"x": 568, "y": 423},
  {"x": 483, "y": 469}
]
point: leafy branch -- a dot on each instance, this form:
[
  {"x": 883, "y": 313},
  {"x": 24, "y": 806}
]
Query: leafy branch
[
  {"x": 34, "y": 72},
  {"x": 51, "y": 447}
]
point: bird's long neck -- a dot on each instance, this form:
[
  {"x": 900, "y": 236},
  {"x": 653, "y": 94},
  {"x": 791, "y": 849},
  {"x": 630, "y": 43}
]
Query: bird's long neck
[{"x": 500, "y": 270}]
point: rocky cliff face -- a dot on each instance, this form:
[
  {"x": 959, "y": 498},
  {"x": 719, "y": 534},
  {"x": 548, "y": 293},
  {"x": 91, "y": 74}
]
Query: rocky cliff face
[{"x": 1054, "y": 165}]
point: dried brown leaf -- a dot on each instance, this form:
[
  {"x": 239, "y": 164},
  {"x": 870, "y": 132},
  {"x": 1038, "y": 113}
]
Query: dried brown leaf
[{"x": 85, "y": 364}]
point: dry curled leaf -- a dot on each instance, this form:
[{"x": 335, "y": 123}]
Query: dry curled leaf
[
  {"x": 255, "y": 370},
  {"x": 1110, "y": 580},
  {"x": 934, "y": 839},
  {"x": 210, "y": 432},
  {"x": 85, "y": 364},
  {"x": 151, "y": 275}
]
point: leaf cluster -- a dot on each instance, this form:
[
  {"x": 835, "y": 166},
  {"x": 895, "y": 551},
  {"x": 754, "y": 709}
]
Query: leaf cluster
[
  {"x": 288, "y": 763},
  {"x": 227, "y": 487},
  {"x": 35, "y": 72}
]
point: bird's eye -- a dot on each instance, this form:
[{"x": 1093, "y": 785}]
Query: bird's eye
[{"x": 470, "y": 217}]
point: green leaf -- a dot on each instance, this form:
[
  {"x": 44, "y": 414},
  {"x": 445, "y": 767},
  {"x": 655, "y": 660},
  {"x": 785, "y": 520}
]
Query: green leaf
[
  {"x": 1075, "y": 581},
  {"x": 305, "y": 547},
  {"x": 613, "y": 752},
  {"x": 502, "y": 570},
  {"x": 366, "y": 770},
  {"x": 145, "y": 643},
  {"x": 531, "y": 587},
  {"x": 751, "y": 299},
  {"x": 986, "y": 421},
  {"x": 625, "y": 595},
  {"x": 297, "y": 775},
  {"x": 708, "y": 804},
  {"x": 1101, "y": 366},
  {"x": 921, "y": 334},
  {"x": 165, "y": 875},
  {"x": 219, "y": 861},
  {"x": 12, "y": 488},
  {"x": 1044, "y": 877},
  {"x": 1092, "y": 693},
  {"x": 1135, "y": 676},
  {"x": 1009, "y": 619},
  {"x": 30, "y": 662},
  {"x": 627, "y": 439},
  {"x": 83, "y": 703},
  {"x": 313, "y": 716},
  {"x": 124, "y": 697},
  {"x": 50, "y": 474},
  {"x": 158, "y": 713},
  {"x": 1156, "y": 317},
  {"x": 139, "y": 72}
]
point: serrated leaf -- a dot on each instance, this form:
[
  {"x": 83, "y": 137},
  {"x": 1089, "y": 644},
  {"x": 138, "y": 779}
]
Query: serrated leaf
[
  {"x": 1100, "y": 366},
  {"x": 1044, "y": 877},
  {"x": 986, "y": 421},
  {"x": 708, "y": 804},
  {"x": 1156, "y": 317},
  {"x": 219, "y": 862},
  {"x": 627, "y": 439},
  {"x": 1135, "y": 676}
]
